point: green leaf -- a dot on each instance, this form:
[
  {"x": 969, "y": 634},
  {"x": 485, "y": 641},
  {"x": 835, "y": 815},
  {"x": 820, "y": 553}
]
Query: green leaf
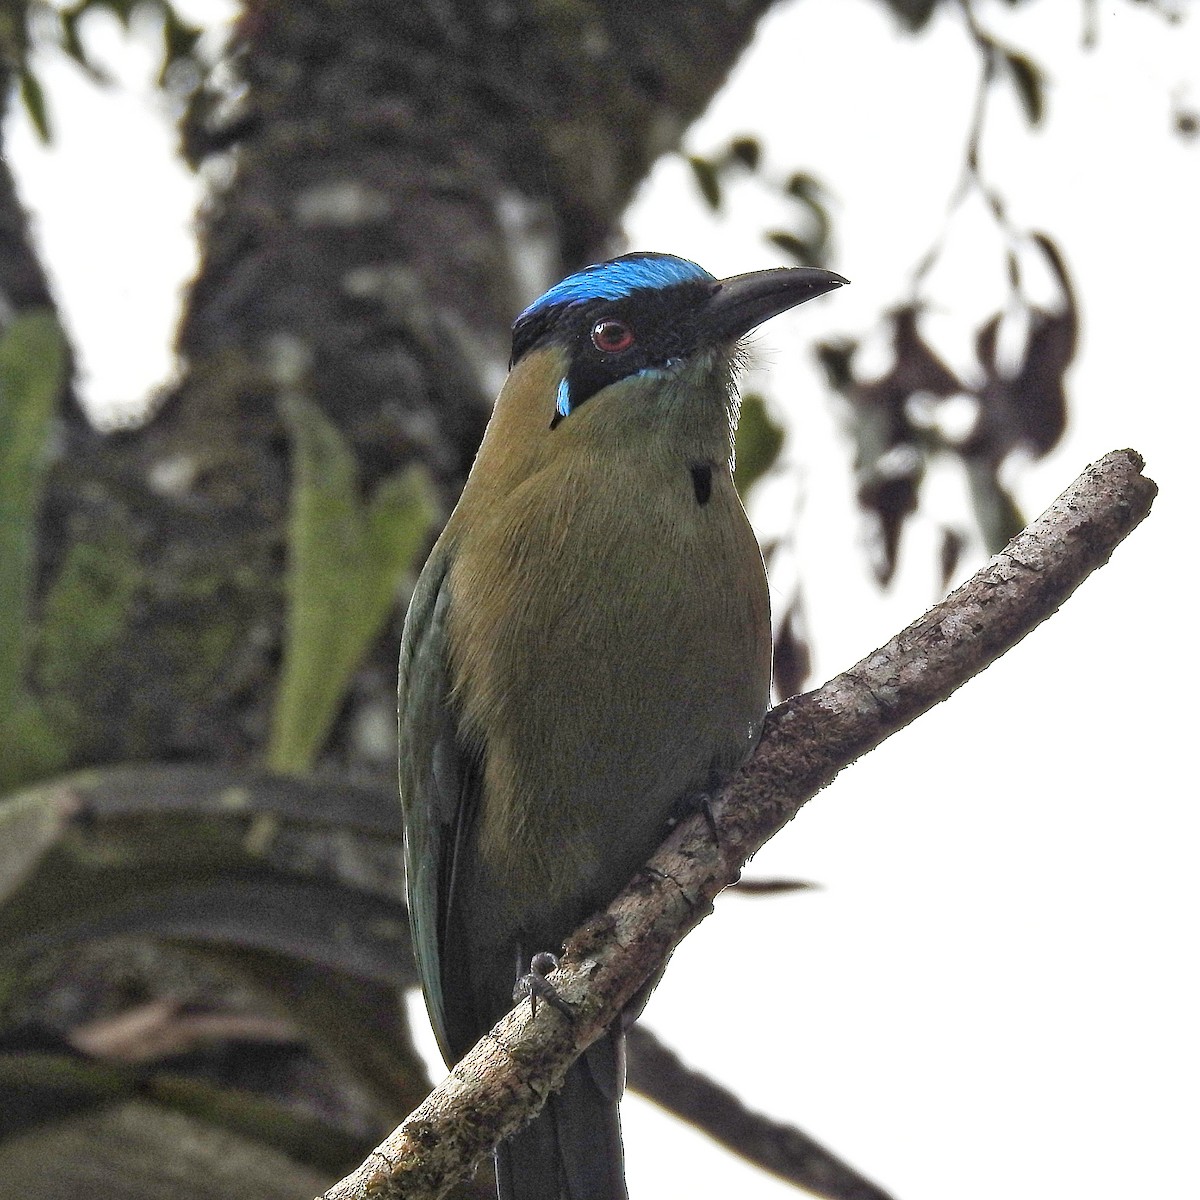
[
  {"x": 33, "y": 747},
  {"x": 1014, "y": 271},
  {"x": 758, "y": 442},
  {"x": 121, "y": 9},
  {"x": 836, "y": 358},
  {"x": 707, "y": 180},
  {"x": 996, "y": 511},
  {"x": 746, "y": 150},
  {"x": 327, "y": 925},
  {"x": 179, "y": 38},
  {"x": 34, "y": 100},
  {"x": 71, "y": 42},
  {"x": 811, "y": 246},
  {"x": 1030, "y": 84},
  {"x": 302, "y": 1138},
  {"x": 912, "y": 14},
  {"x": 179, "y": 42},
  {"x": 801, "y": 249},
  {"x": 33, "y": 361},
  {"x": 346, "y": 564},
  {"x": 802, "y": 186}
]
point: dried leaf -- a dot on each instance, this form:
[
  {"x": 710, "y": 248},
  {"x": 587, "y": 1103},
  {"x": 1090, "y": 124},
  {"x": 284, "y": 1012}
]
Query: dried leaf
[
  {"x": 986, "y": 340},
  {"x": 917, "y": 367},
  {"x": 949, "y": 555},
  {"x": 837, "y": 360},
  {"x": 791, "y": 655},
  {"x": 1039, "y": 387},
  {"x": 889, "y": 463}
]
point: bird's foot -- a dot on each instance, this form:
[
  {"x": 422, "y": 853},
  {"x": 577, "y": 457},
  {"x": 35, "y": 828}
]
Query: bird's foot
[{"x": 536, "y": 986}]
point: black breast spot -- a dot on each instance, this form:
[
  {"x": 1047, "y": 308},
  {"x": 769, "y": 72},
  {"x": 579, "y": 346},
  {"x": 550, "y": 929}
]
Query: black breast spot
[{"x": 702, "y": 482}]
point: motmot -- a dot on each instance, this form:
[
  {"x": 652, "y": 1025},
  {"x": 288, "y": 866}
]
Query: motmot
[{"x": 588, "y": 646}]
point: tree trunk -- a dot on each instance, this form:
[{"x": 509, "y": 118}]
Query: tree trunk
[{"x": 401, "y": 178}]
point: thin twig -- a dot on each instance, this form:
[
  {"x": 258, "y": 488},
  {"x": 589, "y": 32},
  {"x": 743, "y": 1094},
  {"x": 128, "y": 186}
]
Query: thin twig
[
  {"x": 657, "y": 1072},
  {"x": 506, "y": 1077}
]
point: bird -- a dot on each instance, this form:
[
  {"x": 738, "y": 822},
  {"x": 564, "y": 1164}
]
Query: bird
[{"x": 588, "y": 645}]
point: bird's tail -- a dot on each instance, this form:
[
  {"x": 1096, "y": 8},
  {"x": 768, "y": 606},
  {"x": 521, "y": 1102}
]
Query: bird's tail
[{"x": 572, "y": 1149}]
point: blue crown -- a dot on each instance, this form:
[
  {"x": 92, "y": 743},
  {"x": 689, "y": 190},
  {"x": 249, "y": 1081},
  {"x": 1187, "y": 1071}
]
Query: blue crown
[{"x": 619, "y": 277}]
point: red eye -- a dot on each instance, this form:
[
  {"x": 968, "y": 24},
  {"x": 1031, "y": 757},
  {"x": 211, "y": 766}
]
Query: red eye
[{"x": 611, "y": 336}]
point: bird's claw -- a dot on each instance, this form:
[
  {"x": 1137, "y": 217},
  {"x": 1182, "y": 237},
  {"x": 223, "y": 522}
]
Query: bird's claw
[{"x": 536, "y": 986}]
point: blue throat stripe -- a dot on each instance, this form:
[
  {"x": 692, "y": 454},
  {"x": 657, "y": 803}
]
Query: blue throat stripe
[
  {"x": 562, "y": 404},
  {"x": 619, "y": 277}
]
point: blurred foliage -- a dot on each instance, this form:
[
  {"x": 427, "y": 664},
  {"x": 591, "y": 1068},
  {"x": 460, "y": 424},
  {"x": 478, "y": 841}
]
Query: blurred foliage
[
  {"x": 897, "y": 416},
  {"x": 758, "y": 442},
  {"x": 33, "y": 358},
  {"x": 108, "y": 1148},
  {"x": 29, "y": 23},
  {"x": 808, "y": 241},
  {"x": 346, "y": 562},
  {"x": 1017, "y": 404},
  {"x": 253, "y": 873},
  {"x": 1000, "y": 59},
  {"x": 791, "y": 651}
]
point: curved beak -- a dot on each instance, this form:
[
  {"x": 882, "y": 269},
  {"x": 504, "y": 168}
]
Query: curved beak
[{"x": 743, "y": 302}]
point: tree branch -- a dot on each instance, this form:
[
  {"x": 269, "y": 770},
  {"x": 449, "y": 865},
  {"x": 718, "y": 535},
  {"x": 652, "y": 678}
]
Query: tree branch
[
  {"x": 790, "y": 1153},
  {"x": 806, "y": 741}
]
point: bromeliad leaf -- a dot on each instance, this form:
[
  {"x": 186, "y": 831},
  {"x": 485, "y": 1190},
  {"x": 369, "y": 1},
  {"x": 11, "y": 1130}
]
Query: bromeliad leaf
[
  {"x": 346, "y": 563},
  {"x": 33, "y": 360}
]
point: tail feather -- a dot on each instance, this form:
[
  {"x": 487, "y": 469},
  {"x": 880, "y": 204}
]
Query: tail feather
[{"x": 572, "y": 1149}]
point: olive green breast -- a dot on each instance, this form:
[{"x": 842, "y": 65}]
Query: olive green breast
[{"x": 610, "y": 638}]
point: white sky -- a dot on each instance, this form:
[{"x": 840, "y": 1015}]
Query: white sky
[{"x": 995, "y": 994}]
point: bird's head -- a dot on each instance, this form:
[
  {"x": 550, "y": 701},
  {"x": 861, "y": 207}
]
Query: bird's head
[
  {"x": 653, "y": 326},
  {"x": 637, "y": 353}
]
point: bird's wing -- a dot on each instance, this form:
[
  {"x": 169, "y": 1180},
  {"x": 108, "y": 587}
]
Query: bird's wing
[{"x": 439, "y": 787}]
